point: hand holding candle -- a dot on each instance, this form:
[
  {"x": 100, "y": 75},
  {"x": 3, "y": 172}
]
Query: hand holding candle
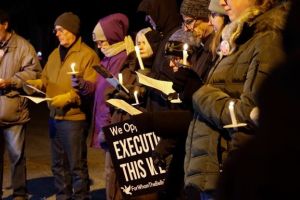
[
  {"x": 138, "y": 55},
  {"x": 185, "y": 53},
  {"x": 234, "y": 124}
]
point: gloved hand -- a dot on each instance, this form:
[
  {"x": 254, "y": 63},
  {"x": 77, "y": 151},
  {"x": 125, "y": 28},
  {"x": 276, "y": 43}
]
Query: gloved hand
[
  {"x": 180, "y": 79},
  {"x": 145, "y": 71},
  {"x": 37, "y": 83},
  {"x": 75, "y": 81},
  {"x": 4, "y": 83},
  {"x": 82, "y": 86},
  {"x": 254, "y": 115},
  {"x": 130, "y": 97},
  {"x": 62, "y": 100},
  {"x": 158, "y": 160}
]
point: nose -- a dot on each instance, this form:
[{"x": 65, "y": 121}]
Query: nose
[
  {"x": 223, "y": 2},
  {"x": 185, "y": 28}
]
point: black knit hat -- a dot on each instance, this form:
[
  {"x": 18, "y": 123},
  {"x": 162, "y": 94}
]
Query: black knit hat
[
  {"x": 195, "y": 8},
  {"x": 69, "y": 21}
]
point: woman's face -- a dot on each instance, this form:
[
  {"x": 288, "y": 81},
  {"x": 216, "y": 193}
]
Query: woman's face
[
  {"x": 216, "y": 21},
  {"x": 234, "y": 8},
  {"x": 144, "y": 46},
  {"x": 102, "y": 45}
]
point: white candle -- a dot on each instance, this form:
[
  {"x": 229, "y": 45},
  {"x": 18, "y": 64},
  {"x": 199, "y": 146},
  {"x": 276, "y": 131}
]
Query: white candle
[
  {"x": 185, "y": 53},
  {"x": 231, "y": 112},
  {"x": 120, "y": 77},
  {"x": 138, "y": 55},
  {"x": 73, "y": 67},
  {"x": 136, "y": 97}
]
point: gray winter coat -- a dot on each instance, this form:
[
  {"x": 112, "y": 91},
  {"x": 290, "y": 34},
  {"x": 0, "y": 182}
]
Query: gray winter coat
[
  {"x": 237, "y": 77},
  {"x": 19, "y": 60}
]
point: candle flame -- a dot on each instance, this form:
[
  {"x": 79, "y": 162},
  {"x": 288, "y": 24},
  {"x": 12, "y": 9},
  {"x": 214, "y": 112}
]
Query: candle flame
[
  {"x": 185, "y": 46},
  {"x": 231, "y": 104},
  {"x": 73, "y": 67}
]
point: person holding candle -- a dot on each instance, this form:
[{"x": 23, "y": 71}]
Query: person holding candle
[
  {"x": 187, "y": 80},
  {"x": 71, "y": 94},
  {"x": 110, "y": 36},
  {"x": 251, "y": 44}
]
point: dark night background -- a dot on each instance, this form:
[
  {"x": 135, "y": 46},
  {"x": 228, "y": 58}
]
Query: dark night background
[{"x": 34, "y": 19}]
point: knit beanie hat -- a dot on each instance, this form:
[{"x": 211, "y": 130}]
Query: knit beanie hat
[
  {"x": 175, "y": 44},
  {"x": 69, "y": 21},
  {"x": 214, "y": 6},
  {"x": 195, "y": 8}
]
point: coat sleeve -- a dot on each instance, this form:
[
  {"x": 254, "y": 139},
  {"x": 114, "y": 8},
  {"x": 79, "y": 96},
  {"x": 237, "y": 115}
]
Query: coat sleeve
[
  {"x": 87, "y": 82},
  {"x": 212, "y": 102},
  {"x": 30, "y": 67}
]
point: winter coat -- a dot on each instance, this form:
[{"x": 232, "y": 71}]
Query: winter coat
[
  {"x": 56, "y": 79},
  {"x": 234, "y": 78},
  {"x": 19, "y": 60},
  {"x": 167, "y": 18},
  {"x": 115, "y": 31}
]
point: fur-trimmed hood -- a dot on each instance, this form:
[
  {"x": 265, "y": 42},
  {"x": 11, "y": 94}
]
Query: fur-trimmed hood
[
  {"x": 273, "y": 19},
  {"x": 252, "y": 22}
]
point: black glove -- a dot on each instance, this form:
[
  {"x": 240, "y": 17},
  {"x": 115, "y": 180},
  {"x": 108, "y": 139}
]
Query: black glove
[
  {"x": 158, "y": 160},
  {"x": 180, "y": 79},
  {"x": 130, "y": 97}
]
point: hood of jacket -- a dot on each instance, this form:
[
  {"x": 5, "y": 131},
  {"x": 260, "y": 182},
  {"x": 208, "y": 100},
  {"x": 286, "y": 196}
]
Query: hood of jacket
[
  {"x": 165, "y": 13},
  {"x": 115, "y": 27},
  {"x": 274, "y": 19}
]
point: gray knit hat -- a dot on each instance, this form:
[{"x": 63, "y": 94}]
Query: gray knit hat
[
  {"x": 195, "y": 8},
  {"x": 69, "y": 21},
  {"x": 214, "y": 6}
]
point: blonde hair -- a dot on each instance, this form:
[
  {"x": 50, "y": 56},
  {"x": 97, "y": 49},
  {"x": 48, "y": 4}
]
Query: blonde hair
[
  {"x": 233, "y": 30},
  {"x": 215, "y": 42}
]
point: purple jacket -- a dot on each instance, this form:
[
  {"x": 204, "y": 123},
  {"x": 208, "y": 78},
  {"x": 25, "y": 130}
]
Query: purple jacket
[{"x": 115, "y": 28}]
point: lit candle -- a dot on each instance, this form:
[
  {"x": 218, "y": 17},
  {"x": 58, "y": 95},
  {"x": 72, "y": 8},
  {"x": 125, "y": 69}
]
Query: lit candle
[
  {"x": 138, "y": 55},
  {"x": 73, "y": 67},
  {"x": 231, "y": 112},
  {"x": 185, "y": 53},
  {"x": 120, "y": 77},
  {"x": 136, "y": 97}
]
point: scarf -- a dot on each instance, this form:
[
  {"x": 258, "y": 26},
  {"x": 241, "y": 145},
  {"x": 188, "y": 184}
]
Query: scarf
[{"x": 126, "y": 44}]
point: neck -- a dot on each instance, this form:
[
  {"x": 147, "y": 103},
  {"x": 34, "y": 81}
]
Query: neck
[{"x": 6, "y": 37}]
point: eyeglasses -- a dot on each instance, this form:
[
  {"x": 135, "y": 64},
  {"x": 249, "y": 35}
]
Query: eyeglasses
[
  {"x": 189, "y": 23},
  {"x": 55, "y": 30}
]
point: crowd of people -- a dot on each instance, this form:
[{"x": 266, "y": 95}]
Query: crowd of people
[{"x": 240, "y": 67}]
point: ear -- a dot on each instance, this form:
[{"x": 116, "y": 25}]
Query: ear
[{"x": 5, "y": 25}]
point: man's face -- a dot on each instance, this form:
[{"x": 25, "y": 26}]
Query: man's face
[
  {"x": 65, "y": 37},
  {"x": 3, "y": 32},
  {"x": 198, "y": 27}
]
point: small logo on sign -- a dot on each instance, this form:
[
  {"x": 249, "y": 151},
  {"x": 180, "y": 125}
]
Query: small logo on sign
[{"x": 126, "y": 189}]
